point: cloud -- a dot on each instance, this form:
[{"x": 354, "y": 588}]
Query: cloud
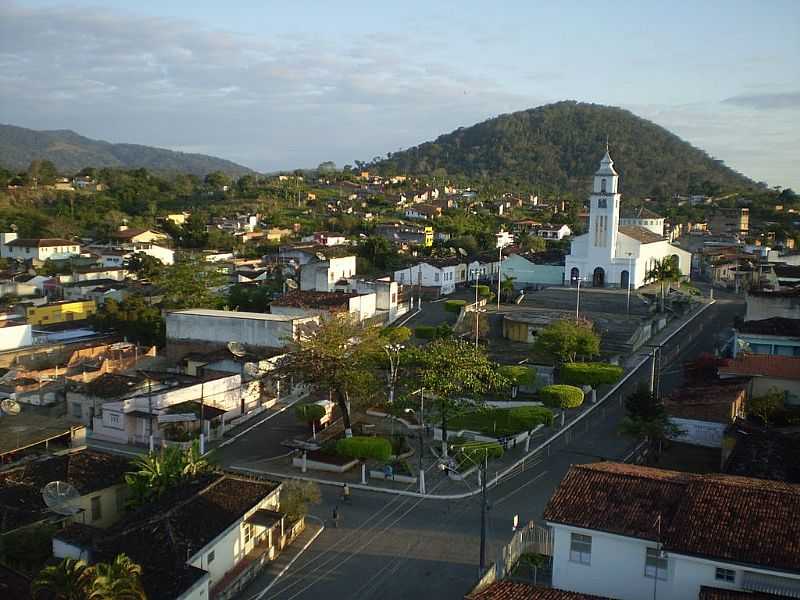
[
  {"x": 789, "y": 100},
  {"x": 274, "y": 102}
]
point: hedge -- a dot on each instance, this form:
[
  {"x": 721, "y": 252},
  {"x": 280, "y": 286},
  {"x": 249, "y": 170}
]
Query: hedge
[
  {"x": 561, "y": 396},
  {"x": 592, "y": 373},
  {"x": 484, "y": 291},
  {"x": 518, "y": 374},
  {"x": 309, "y": 412},
  {"x": 454, "y": 306},
  {"x": 364, "y": 447},
  {"x": 503, "y": 421},
  {"x": 425, "y": 332},
  {"x": 469, "y": 454}
]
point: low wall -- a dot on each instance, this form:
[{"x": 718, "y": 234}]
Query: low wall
[
  {"x": 374, "y": 474},
  {"x": 315, "y": 465},
  {"x": 474, "y": 435},
  {"x": 512, "y": 403}
]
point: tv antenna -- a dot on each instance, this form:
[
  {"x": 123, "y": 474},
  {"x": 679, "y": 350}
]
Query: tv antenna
[
  {"x": 61, "y": 497},
  {"x": 10, "y": 407},
  {"x": 237, "y": 349}
]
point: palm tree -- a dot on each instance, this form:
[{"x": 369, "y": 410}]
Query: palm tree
[
  {"x": 193, "y": 462},
  {"x": 68, "y": 580},
  {"x": 119, "y": 580},
  {"x": 664, "y": 271}
]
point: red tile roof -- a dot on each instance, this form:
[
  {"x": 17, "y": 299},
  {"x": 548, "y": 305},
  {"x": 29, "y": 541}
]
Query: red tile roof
[
  {"x": 773, "y": 326},
  {"x": 640, "y": 234},
  {"x": 40, "y": 242},
  {"x": 764, "y": 365},
  {"x": 737, "y": 519},
  {"x": 715, "y": 403},
  {"x": 514, "y": 590}
]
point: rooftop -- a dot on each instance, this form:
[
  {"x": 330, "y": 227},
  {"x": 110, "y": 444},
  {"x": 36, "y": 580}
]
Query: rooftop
[
  {"x": 640, "y": 234},
  {"x": 40, "y": 242},
  {"x": 309, "y": 299},
  {"x": 722, "y": 517},
  {"x": 764, "y": 453},
  {"x": 641, "y": 212},
  {"x": 516, "y": 590},
  {"x": 712, "y": 593},
  {"x": 763, "y": 365},
  {"x": 715, "y": 403},
  {"x": 229, "y": 314},
  {"x": 773, "y": 326},
  {"x": 132, "y": 232}
]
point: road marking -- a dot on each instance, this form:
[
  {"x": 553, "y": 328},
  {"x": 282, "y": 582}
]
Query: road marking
[
  {"x": 249, "y": 429},
  {"x": 291, "y": 562}
]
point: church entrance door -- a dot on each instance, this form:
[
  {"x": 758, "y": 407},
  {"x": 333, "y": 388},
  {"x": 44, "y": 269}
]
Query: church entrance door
[{"x": 599, "y": 277}]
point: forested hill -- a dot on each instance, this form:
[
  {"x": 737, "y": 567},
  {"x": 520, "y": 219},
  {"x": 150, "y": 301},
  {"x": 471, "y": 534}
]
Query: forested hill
[
  {"x": 71, "y": 152},
  {"x": 558, "y": 147}
]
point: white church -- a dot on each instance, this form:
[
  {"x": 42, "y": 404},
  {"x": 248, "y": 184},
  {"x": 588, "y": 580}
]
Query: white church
[{"x": 610, "y": 255}]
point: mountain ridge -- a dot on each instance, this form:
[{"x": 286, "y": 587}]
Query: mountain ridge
[
  {"x": 70, "y": 152},
  {"x": 556, "y": 147}
]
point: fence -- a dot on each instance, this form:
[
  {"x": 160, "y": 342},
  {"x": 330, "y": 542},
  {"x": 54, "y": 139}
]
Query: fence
[{"x": 613, "y": 402}]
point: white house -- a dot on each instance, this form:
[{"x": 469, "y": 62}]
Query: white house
[
  {"x": 326, "y": 238},
  {"x": 440, "y": 276},
  {"x": 322, "y": 276},
  {"x": 623, "y": 531},
  {"x": 550, "y": 231},
  {"x": 14, "y": 333},
  {"x": 37, "y": 249},
  {"x": 298, "y": 303},
  {"x": 643, "y": 217},
  {"x": 610, "y": 255}
]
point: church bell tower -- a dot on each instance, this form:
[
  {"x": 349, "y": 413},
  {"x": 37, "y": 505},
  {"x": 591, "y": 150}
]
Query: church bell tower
[{"x": 604, "y": 210}]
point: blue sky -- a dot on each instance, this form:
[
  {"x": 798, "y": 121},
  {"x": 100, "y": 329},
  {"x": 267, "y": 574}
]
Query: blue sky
[{"x": 283, "y": 85}]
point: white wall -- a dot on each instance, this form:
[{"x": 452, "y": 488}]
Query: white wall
[
  {"x": 221, "y": 328},
  {"x": 15, "y": 336},
  {"x": 617, "y": 569},
  {"x": 700, "y": 433}
]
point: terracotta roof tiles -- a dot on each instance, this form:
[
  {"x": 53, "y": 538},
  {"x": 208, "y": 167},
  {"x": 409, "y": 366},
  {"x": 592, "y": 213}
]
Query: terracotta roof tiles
[
  {"x": 751, "y": 521},
  {"x": 515, "y": 590},
  {"x": 764, "y": 365},
  {"x": 640, "y": 234}
]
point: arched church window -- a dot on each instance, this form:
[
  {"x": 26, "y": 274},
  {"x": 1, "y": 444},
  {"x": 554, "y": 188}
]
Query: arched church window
[{"x": 603, "y": 186}]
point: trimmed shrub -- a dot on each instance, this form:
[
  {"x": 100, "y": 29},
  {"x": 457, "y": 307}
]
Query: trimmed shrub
[
  {"x": 364, "y": 447},
  {"x": 518, "y": 374},
  {"x": 454, "y": 306},
  {"x": 309, "y": 412},
  {"x": 503, "y": 421},
  {"x": 561, "y": 396},
  {"x": 425, "y": 332},
  {"x": 484, "y": 291},
  {"x": 469, "y": 454},
  {"x": 591, "y": 373}
]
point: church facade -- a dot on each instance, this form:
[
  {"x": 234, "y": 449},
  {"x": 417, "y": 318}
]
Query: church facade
[{"x": 610, "y": 255}]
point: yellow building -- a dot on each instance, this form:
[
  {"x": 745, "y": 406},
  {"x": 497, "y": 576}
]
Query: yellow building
[
  {"x": 177, "y": 218},
  {"x": 60, "y": 312},
  {"x": 428, "y": 237}
]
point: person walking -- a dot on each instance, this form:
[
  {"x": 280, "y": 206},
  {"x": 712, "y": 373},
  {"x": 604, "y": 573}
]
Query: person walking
[
  {"x": 336, "y": 517},
  {"x": 346, "y": 494}
]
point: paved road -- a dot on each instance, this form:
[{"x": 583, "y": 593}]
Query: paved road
[{"x": 393, "y": 547}]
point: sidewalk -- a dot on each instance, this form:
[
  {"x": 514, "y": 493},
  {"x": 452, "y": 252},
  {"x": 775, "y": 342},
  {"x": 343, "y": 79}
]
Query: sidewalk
[{"x": 259, "y": 587}]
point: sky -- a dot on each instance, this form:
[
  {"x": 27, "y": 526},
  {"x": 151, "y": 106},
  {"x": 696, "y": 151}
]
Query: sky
[{"x": 282, "y": 85}]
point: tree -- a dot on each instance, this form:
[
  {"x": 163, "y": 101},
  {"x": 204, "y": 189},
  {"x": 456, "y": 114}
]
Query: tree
[
  {"x": 341, "y": 356},
  {"x": 119, "y": 580},
  {"x": 456, "y": 374},
  {"x": 296, "y": 495},
  {"x": 507, "y": 289},
  {"x": 646, "y": 418},
  {"x": 144, "y": 265},
  {"x": 663, "y": 271},
  {"x": 43, "y": 171},
  {"x": 518, "y": 375},
  {"x": 327, "y": 167},
  {"x": 565, "y": 340},
  {"x": 218, "y": 180},
  {"x": 156, "y": 473},
  {"x": 68, "y": 580},
  {"x": 133, "y": 318},
  {"x": 532, "y": 243},
  {"x": 190, "y": 283},
  {"x": 763, "y": 407}
]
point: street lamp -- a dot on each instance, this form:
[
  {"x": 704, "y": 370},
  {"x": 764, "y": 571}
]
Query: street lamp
[
  {"x": 411, "y": 411},
  {"x": 483, "y": 468}
]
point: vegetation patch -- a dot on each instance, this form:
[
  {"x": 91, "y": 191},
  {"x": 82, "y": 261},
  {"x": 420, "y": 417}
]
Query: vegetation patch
[
  {"x": 497, "y": 422},
  {"x": 518, "y": 374},
  {"x": 454, "y": 306},
  {"x": 561, "y": 396},
  {"x": 309, "y": 412},
  {"x": 364, "y": 447},
  {"x": 590, "y": 373}
]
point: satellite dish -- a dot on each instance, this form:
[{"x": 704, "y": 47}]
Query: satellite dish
[
  {"x": 462, "y": 252},
  {"x": 10, "y": 407},
  {"x": 291, "y": 284},
  {"x": 61, "y": 497},
  {"x": 321, "y": 256},
  {"x": 237, "y": 349}
]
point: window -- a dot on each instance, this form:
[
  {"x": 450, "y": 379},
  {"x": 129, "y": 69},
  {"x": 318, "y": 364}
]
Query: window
[
  {"x": 601, "y": 203},
  {"x": 77, "y": 410},
  {"x": 436, "y": 277},
  {"x": 655, "y": 564},
  {"x": 210, "y": 557},
  {"x": 727, "y": 575},
  {"x": 580, "y": 548},
  {"x": 97, "y": 511},
  {"x": 248, "y": 532},
  {"x": 603, "y": 186}
]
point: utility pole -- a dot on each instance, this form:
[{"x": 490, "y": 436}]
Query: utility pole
[
  {"x": 150, "y": 411},
  {"x": 421, "y": 468},
  {"x": 477, "y": 314},
  {"x": 653, "y": 371},
  {"x": 499, "y": 266},
  {"x": 484, "y": 508}
]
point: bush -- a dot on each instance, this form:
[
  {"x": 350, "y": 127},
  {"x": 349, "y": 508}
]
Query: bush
[
  {"x": 425, "y": 332},
  {"x": 309, "y": 412},
  {"x": 593, "y": 374},
  {"x": 364, "y": 447},
  {"x": 484, "y": 291},
  {"x": 470, "y": 454},
  {"x": 561, "y": 396},
  {"x": 454, "y": 306},
  {"x": 503, "y": 421},
  {"x": 518, "y": 374}
]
